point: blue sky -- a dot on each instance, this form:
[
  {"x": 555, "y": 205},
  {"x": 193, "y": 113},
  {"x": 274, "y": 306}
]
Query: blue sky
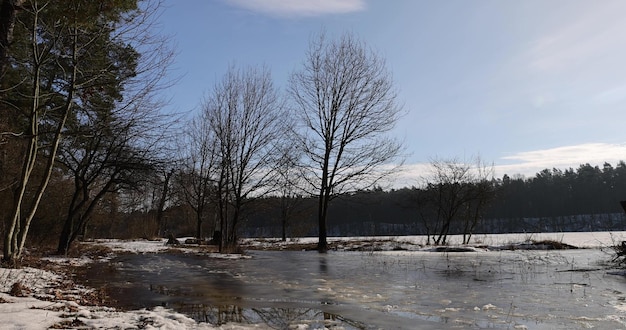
[{"x": 526, "y": 85}]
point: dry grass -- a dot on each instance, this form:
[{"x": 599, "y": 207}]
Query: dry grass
[{"x": 555, "y": 245}]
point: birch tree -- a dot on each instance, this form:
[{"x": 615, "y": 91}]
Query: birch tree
[{"x": 46, "y": 55}]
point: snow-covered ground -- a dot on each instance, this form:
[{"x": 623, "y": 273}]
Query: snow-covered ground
[
  {"x": 45, "y": 306},
  {"x": 415, "y": 243},
  {"x": 45, "y": 300}
]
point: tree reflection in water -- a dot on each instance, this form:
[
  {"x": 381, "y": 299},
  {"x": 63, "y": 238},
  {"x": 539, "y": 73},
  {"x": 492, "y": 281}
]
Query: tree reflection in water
[{"x": 277, "y": 318}]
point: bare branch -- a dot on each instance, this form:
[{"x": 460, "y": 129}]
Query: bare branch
[{"x": 346, "y": 103}]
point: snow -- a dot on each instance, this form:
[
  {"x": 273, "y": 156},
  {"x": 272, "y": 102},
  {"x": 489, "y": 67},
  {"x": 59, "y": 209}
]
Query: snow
[
  {"x": 76, "y": 262},
  {"x": 32, "y": 313},
  {"x": 39, "y": 309},
  {"x": 44, "y": 306},
  {"x": 157, "y": 246},
  {"x": 418, "y": 242},
  {"x": 134, "y": 246}
]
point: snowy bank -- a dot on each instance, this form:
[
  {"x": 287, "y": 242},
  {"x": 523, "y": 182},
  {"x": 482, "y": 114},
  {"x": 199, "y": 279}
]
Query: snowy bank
[
  {"x": 32, "y": 298},
  {"x": 45, "y": 300},
  {"x": 419, "y": 242}
]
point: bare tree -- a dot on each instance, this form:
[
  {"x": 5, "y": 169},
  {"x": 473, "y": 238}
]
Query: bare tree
[
  {"x": 198, "y": 174},
  {"x": 448, "y": 189},
  {"x": 455, "y": 194},
  {"x": 346, "y": 104},
  {"x": 107, "y": 163},
  {"x": 245, "y": 117},
  {"x": 483, "y": 193}
]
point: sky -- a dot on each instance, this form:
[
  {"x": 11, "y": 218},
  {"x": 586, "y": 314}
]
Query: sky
[{"x": 524, "y": 85}]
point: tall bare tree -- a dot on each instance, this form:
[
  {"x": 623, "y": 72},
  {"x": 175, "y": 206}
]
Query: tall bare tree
[
  {"x": 107, "y": 163},
  {"x": 245, "y": 116},
  {"x": 346, "y": 104}
]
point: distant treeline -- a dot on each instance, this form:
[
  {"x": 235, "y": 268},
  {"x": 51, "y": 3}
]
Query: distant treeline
[{"x": 582, "y": 199}]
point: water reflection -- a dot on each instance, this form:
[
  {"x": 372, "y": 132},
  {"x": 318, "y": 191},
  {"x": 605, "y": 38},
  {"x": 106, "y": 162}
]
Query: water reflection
[
  {"x": 277, "y": 318},
  {"x": 217, "y": 315},
  {"x": 323, "y": 264},
  {"x": 375, "y": 290}
]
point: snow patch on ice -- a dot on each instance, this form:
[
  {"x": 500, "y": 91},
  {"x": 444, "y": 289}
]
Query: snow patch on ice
[
  {"x": 489, "y": 307},
  {"x": 84, "y": 260}
]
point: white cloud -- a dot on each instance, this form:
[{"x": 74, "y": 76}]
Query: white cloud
[
  {"x": 288, "y": 8},
  {"x": 527, "y": 163},
  {"x": 530, "y": 162},
  {"x": 410, "y": 175}
]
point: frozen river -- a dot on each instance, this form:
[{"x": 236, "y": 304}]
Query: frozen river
[{"x": 562, "y": 289}]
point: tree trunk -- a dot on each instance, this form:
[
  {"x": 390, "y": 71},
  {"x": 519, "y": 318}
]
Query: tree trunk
[
  {"x": 73, "y": 227},
  {"x": 232, "y": 237},
  {"x": 15, "y": 237},
  {"x": 161, "y": 206},
  {"x": 283, "y": 216},
  {"x": 199, "y": 226},
  {"x": 322, "y": 244},
  {"x": 64, "y": 239},
  {"x": 8, "y": 11},
  {"x": 223, "y": 212}
]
